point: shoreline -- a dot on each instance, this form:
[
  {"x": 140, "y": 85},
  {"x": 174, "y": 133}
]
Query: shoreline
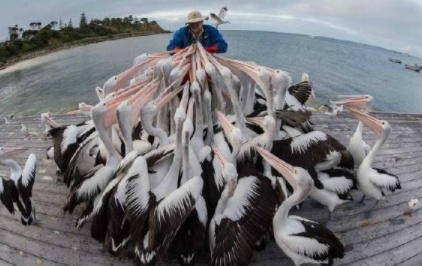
[{"x": 74, "y": 44}]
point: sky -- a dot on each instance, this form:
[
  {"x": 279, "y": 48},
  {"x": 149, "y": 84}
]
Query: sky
[{"x": 391, "y": 24}]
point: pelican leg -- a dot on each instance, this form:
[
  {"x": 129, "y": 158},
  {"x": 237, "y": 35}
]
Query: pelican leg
[
  {"x": 362, "y": 199},
  {"x": 35, "y": 221},
  {"x": 368, "y": 213}
]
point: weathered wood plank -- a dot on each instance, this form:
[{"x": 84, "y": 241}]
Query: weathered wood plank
[{"x": 386, "y": 237}]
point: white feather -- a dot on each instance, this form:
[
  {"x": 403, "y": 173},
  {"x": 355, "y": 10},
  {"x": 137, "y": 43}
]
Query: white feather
[
  {"x": 338, "y": 184},
  {"x": 28, "y": 173},
  {"x": 98, "y": 181},
  {"x": 301, "y": 143},
  {"x": 201, "y": 208},
  {"x": 69, "y": 137},
  {"x": 175, "y": 201},
  {"x": 138, "y": 189},
  {"x": 382, "y": 180},
  {"x": 240, "y": 201}
]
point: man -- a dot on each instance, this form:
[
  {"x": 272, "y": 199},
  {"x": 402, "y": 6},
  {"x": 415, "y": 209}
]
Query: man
[{"x": 195, "y": 31}]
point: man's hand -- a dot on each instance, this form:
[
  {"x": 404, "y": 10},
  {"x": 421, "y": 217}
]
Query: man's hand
[
  {"x": 177, "y": 49},
  {"x": 212, "y": 48}
]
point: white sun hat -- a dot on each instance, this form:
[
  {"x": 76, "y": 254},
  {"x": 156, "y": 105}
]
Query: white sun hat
[{"x": 195, "y": 16}]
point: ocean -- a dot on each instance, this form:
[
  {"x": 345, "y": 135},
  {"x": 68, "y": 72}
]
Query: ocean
[{"x": 57, "y": 82}]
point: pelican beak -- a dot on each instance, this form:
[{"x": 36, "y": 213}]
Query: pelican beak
[
  {"x": 49, "y": 121},
  {"x": 185, "y": 97},
  {"x": 259, "y": 121},
  {"x": 373, "y": 123},
  {"x": 167, "y": 96},
  {"x": 228, "y": 128},
  {"x": 190, "y": 109},
  {"x": 219, "y": 155},
  {"x": 85, "y": 107},
  {"x": 8, "y": 152},
  {"x": 355, "y": 101},
  {"x": 281, "y": 166},
  {"x": 140, "y": 99}
]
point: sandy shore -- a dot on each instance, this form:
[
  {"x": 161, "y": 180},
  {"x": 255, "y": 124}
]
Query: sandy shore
[{"x": 87, "y": 41}]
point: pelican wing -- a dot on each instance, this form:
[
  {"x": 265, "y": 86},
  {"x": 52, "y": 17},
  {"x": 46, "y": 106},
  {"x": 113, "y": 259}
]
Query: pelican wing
[
  {"x": 247, "y": 218},
  {"x": 384, "y": 179},
  {"x": 293, "y": 118},
  {"x": 118, "y": 226},
  {"x": 346, "y": 160},
  {"x": 138, "y": 197},
  {"x": 26, "y": 183},
  {"x": 285, "y": 150},
  {"x": 8, "y": 193},
  {"x": 301, "y": 91},
  {"x": 169, "y": 214},
  {"x": 223, "y": 12},
  {"x": 338, "y": 184},
  {"x": 159, "y": 154},
  {"x": 316, "y": 241},
  {"x": 72, "y": 170}
]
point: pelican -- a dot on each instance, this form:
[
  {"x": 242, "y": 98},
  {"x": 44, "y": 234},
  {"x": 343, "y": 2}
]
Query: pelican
[
  {"x": 23, "y": 180},
  {"x": 85, "y": 109},
  {"x": 333, "y": 109},
  {"x": 302, "y": 240},
  {"x": 103, "y": 116},
  {"x": 254, "y": 195},
  {"x": 357, "y": 146},
  {"x": 372, "y": 181},
  {"x": 220, "y": 18}
]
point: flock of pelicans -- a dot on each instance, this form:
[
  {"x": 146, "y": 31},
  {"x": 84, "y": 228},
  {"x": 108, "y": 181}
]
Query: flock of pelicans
[{"x": 188, "y": 154}]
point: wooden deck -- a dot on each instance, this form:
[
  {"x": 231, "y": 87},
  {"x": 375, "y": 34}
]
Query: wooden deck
[{"x": 387, "y": 237}]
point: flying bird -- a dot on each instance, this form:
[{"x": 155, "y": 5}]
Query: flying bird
[{"x": 220, "y": 18}]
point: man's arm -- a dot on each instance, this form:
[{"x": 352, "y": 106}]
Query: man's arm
[{"x": 177, "y": 41}]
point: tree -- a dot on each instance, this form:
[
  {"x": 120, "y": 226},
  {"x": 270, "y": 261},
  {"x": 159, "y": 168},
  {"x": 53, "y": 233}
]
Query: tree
[
  {"x": 61, "y": 26},
  {"x": 82, "y": 22},
  {"x": 13, "y": 32},
  {"x": 144, "y": 20},
  {"x": 70, "y": 24},
  {"x": 33, "y": 25},
  {"x": 53, "y": 24},
  {"x": 27, "y": 34}
]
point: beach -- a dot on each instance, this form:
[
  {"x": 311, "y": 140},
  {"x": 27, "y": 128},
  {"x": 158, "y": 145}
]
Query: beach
[{"x": 78, "y": 43}]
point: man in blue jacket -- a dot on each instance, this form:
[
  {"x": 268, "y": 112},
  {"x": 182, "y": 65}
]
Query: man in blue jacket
[{"x": 195, "y": 31}]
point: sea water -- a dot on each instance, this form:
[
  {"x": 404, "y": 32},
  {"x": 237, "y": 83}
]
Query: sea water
[{"x": 58, "y": 81}]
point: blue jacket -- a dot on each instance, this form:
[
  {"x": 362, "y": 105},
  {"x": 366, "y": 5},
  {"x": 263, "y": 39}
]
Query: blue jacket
[{"x": 182, "y": 38}]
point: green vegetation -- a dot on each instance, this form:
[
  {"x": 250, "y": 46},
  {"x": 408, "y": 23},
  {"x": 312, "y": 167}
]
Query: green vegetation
[{"x": 58, "y": 34}]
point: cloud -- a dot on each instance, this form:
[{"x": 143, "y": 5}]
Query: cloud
[{"x": 387, "y": 23}]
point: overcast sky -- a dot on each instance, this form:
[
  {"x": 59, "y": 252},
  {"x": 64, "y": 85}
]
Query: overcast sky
[{"x": 393, "y": 24}]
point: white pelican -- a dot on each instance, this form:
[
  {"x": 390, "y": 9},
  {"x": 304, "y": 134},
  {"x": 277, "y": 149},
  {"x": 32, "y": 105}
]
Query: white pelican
[
  {"x": 333, "y": 109},
  {"x": 254, "y": 195},
  {"x": 372, "y": 181},
  {"x": 190, "y": 238},
  {"x": 23, "y": 180},
  {"x": 302, "y": 240},
  {"x": 357, "y": 146},
  {"x": 220, "y": 18},
  {"x": 334, "y": 190},
  {"x": 103, "y": 115}
]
